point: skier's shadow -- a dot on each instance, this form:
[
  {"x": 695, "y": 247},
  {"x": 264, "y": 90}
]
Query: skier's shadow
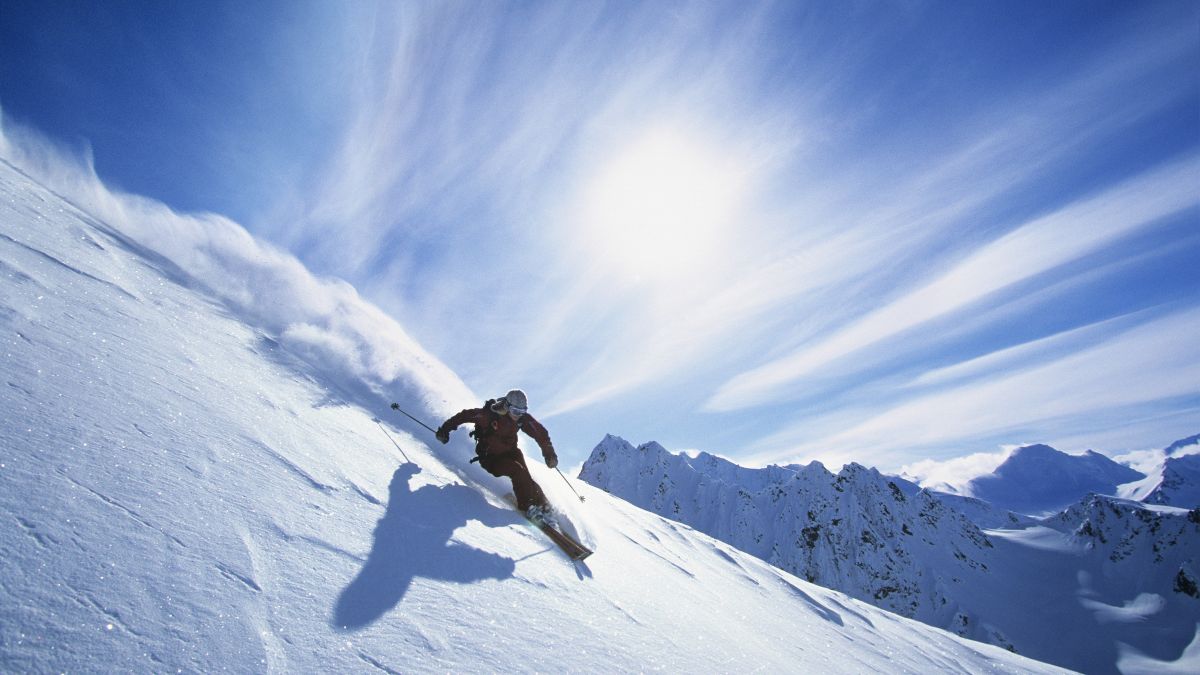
[{"x": 413, "y": 539}]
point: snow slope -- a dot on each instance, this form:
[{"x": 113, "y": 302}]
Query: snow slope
[
  {"x": 1103, "y": 587},
  {"x": 192, "y": 478}
]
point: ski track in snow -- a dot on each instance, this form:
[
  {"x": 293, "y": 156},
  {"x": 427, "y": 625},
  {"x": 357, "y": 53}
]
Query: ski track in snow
[
  {"x": 291, "y": 467},
  {"x": 660, "y": 556},
  {"x": 43, "y": 540},
  {"x": 230, "y": 574},
  {"x": 128, "y": 512},
  {"x": 46, "y": 256}
]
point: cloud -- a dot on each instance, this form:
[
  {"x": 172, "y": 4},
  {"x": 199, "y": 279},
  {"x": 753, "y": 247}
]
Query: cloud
[
  {"x": 913, "y": 214},
  {"x": 823, "y": 256},
  {"x": 472, "y": 135},
  {"x": 450, "y": 198},
  {"x": 1033, "y": 248},
  {"x": 1141, "y": 366},
  {"x": 952, "y": 475}
]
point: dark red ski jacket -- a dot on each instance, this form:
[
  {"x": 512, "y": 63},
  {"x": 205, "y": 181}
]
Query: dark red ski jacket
[{"x": 496, "y": 434}]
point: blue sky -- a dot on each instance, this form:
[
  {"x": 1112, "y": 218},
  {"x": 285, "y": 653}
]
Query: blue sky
[{"x": 872, "y": 231}]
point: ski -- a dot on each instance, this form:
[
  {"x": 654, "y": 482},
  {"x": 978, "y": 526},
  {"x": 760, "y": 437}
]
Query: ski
[{"x": 573, "y": 549}]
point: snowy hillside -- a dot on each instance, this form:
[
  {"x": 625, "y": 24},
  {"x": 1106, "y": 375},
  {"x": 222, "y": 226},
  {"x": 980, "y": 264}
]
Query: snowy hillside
[
  {"x": 191, "y": 479},
  {"x": 1038, "y": 480},
  {"x": 1046, "y": 591}
]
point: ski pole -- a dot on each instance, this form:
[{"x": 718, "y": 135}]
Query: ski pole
[
  {"x": 569, "y": 484},
  {"x": 385, "y": 433},
  {"x": 396, "y": 407}
]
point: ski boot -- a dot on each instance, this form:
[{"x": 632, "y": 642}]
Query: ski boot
[{"x": 542, "y": 515}]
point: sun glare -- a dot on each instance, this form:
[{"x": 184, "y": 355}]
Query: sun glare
[{"x": 662, "y": 205}]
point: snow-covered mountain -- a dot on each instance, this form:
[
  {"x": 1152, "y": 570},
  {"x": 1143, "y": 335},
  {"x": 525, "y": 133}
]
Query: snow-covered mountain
[
  {"x": 192, "y": 478},
  {"x": 1184, "y": 446},
  {"x": 885, "y": 542},
  {"x": 855, "y": 531},
  {"x": 1041, "y": 480},
  {"x": 1179, "y": 484},
  {"x": 1038, "y": 480},
  {"x": 1172, "y": 476},
  {"x": 1175, "y": 482}
]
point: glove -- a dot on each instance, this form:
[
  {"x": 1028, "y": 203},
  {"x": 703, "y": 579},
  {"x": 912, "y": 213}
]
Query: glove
[
  {"x": 443, "y": 435},
  {"x": 552, "y": 461}
]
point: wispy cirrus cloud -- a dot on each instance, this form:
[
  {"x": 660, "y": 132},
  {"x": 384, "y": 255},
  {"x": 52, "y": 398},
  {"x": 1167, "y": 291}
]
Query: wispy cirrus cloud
[
  {"x": 1033, "y": 248},
  {"x": 1140, "y": 367},
  {"x": 833, "y": 241},
  {"x": 869, "y": 192}
]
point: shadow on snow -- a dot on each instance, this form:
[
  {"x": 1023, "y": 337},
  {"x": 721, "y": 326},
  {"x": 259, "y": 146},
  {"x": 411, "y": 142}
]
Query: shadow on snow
[{"x": 413, "y": 539}]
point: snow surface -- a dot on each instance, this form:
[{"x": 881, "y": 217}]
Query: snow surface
[
  {"x": 193, "y": 478},
  {"x": 1096, "y": 588}
]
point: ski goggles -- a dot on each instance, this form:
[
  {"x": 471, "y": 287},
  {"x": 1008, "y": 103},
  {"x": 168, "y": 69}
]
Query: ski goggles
[{"x": 503, "y": 406}]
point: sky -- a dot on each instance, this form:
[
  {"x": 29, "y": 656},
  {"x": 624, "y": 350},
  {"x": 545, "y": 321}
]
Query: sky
[{"x": 882, "y": 232}]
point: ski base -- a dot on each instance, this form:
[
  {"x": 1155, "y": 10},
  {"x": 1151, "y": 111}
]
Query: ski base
[{"x": 573, "y": 549}]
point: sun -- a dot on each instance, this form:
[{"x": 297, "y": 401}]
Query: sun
[{"x": 662, "y": 205}]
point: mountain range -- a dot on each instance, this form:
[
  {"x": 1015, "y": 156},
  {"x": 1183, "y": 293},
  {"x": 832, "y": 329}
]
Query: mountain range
[{"x": 1098, "y": 587}]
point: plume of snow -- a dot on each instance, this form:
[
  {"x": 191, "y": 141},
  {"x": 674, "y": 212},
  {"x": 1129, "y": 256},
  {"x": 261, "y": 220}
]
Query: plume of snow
[{"x": 324, "y": 321}]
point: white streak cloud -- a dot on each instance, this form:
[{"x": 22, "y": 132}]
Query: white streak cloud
[
  {"x": 1035, "y": 247},
  {"x": 1152, "y": 362}
]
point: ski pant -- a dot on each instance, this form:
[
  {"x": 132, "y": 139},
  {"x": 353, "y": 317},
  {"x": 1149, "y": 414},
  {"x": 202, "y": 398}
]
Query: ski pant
[{"x": 512, "y": 464}]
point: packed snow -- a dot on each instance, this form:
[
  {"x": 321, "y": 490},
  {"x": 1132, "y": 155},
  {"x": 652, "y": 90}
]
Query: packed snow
[{"x": 199, "y": 471}]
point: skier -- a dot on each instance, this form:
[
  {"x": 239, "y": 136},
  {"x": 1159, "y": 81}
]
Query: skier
[{"x": 496, "y": 425}]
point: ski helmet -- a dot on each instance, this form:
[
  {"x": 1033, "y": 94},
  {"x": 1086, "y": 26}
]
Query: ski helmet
[{"x": 517, "y": 403}]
